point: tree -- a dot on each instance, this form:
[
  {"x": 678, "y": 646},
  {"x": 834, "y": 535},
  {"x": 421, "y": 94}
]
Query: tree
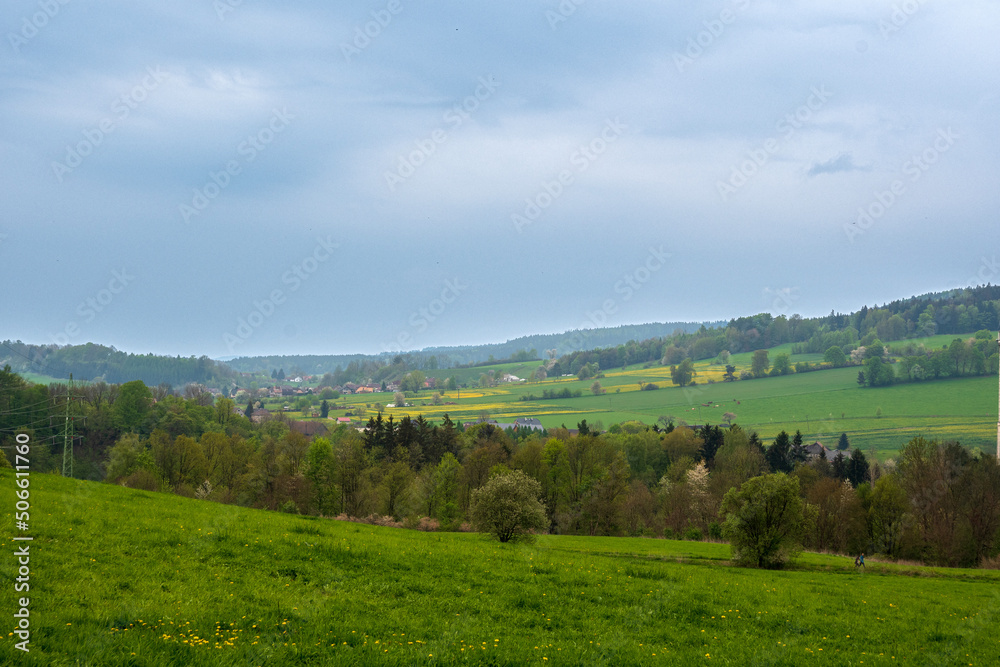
[
  {"x": 445, "y": 493},
  {"x": 764, "y": 520},
  {"x": 249, "y": 411},
  {"x": 596, "y": 388},
  {"x": 414, "y": 381},
  {"x": 886, "y": 505},
  {"x": 779, "y": 454},
  {"x": 324, "y": 409},
  {"x": 843, "y": 443},
  {"x": 128, "y": 455},
  {"x": 712, "y": 439},
  {"x": 730, "y": 374},
  {"x": 507, "y": 507},
  {"x": 399, "y": 399},
  {"x": 759, "y": 364},
  {"x": 782, "y": 365},
  {"x": 839, "y": 466},
  {"x": 683, "y": 373},
  {"x": 857, "y": 468},
  {"x": 320, "y": 471},
  {"x": 835, "y": 356},
  {"x": 132, "y": 405},
  {"x": 877, "y": 373}
]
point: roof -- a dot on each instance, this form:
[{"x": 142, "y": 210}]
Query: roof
[{"x": 308, "y": 428}]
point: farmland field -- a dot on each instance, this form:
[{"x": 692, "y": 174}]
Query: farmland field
[
  {"x": 124, "y": 577},
  {"x": 822, "y": 404}
]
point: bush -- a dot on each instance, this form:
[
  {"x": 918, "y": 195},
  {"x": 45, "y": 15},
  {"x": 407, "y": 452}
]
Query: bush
[
  {"x": 507, "y": 507},
  {"x": 142, "y": 479},
  {"x": 715, "y": 530},
  {"x": 764, "y": 520},
  {"x": 694, "y": 534}
]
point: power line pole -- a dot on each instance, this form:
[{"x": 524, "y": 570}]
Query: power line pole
[{"x": 67, "y": 467}]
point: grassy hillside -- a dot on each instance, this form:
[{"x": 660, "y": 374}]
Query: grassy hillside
[
  {"x": 823, "y": 404},
  {"x": 122, "y": 577}
]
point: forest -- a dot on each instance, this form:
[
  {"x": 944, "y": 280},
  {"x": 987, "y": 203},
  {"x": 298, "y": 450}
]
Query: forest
[
  {"x": 935, "y": 502},
  {"x": 957, "y": 311}
]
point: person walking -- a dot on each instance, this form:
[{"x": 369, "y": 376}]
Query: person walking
[{"x": 860, "y": 561}]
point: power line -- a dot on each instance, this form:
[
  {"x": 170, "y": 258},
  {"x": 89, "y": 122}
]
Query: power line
[{"x": 67, "y": 438}]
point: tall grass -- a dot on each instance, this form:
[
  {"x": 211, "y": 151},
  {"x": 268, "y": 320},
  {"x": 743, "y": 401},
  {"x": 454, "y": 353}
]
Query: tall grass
[{"x": 122, "y": 577}]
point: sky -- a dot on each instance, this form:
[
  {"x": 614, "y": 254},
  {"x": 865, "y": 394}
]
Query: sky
[{"x": 247, "y": 177}]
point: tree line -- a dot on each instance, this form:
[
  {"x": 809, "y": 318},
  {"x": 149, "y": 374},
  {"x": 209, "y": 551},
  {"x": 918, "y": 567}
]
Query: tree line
[
  {"x": 936, "y": 502},
  {"x": 102, "y": 363}
]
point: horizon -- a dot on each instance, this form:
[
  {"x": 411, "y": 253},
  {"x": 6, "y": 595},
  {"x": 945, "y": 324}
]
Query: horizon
[
  {"x": 706, "y": 323},
  {"x": 251, "y": 179}
]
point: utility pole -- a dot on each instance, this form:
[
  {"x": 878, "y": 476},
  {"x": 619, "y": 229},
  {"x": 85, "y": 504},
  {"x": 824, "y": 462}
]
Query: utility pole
[
  {"x": 67, "y": 467},
  {"x": 998, "y": 405}
]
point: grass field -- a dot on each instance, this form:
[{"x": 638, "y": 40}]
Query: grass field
[
  {"x": 822, "y": 404},
  {"x": 123, "y": 577}
]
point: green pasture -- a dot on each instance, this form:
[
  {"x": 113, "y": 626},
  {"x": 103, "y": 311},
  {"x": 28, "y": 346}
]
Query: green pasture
[
  {"x": 822, "y": 404},
  {"x": 124, "y": 577}
]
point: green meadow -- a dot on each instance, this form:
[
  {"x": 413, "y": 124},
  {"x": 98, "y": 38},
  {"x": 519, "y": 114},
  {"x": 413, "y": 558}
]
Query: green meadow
[
  {"x": 822, "y": 404},
  {"x": 125, "y": 577}
]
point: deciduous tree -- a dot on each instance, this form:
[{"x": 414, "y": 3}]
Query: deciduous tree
[
  {"x": 759, "y": 363},
  {"x": 764, "y": 520},
  {"x": 507, "y": 507}
]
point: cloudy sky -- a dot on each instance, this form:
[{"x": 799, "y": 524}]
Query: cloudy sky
[{"x": 254, "y": 177}]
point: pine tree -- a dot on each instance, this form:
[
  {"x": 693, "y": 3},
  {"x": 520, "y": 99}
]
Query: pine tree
[
  {"x": 778, "y": 454},
  {"x": 843, "y": 443},
  {"x": 798, "y": 454}
]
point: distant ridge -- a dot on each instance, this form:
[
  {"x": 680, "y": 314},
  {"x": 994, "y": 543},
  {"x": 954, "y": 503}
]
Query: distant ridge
[
  {"x": 953, "y": 311},
  {"x": 567, "y": 341}
]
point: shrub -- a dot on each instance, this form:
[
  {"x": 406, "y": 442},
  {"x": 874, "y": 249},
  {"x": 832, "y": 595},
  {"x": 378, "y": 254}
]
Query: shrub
[
  {"x": 507, "y": 507},
  {"x": 142, "y": 479},
  {"x": 694, "y": 534},
  {"x": 764, "y": 520},
  {"x": 715, "y": 530}
]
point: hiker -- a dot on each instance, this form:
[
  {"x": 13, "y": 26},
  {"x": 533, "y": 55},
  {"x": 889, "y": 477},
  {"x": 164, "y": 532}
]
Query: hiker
[{"x": 860, "y": 560}]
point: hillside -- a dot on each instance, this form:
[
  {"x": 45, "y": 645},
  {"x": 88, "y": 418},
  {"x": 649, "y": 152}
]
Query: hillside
[
  {"x": 449, "y": 356},
  {"x": 93, "y": 362},
  {"x": 172, "y": 581},
  {"x": 822, "y": 404},
  {"x": 915, "y": 318}
]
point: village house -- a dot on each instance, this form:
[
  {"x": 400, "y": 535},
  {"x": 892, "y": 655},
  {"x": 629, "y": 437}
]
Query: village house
[
  {"x": 814, "y": 450},
  {"x": 309, "y": 429}
]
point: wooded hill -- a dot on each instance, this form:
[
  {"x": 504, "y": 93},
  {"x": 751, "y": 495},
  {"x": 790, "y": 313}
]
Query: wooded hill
[{"x": 953, "y": 311}]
